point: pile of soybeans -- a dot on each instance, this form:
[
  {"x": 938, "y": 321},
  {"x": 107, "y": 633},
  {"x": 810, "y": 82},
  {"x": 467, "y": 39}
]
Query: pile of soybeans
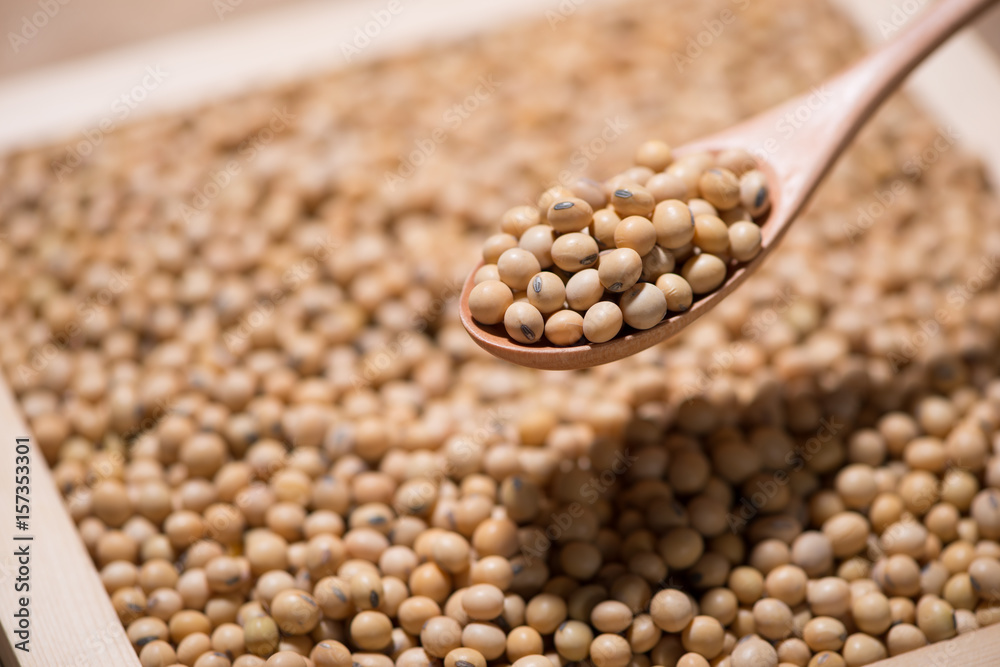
[{"x": 281, "y": 447}]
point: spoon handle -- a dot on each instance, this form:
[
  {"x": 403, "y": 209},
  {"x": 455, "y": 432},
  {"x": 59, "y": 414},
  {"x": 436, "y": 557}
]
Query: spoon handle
[{"x": 802, "y": 138}]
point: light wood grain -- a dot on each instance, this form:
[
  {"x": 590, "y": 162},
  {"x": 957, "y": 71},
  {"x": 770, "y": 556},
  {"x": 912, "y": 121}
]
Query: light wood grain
[
  {"x": 72, "y": 621},
  {"x": 795, "y": 155},
  {"x": 975, "y": 649}
]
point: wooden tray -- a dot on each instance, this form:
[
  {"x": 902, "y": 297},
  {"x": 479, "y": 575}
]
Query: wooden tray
[{"x": 72, "y": 621}]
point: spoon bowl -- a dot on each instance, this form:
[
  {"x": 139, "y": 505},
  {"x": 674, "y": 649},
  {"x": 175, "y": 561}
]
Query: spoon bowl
[
  {"x": 795, "y": 145},
  {"x": 545, "y": 356}
]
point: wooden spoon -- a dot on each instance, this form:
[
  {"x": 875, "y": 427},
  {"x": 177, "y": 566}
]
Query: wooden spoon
[{"x": 796, "y": 144}]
